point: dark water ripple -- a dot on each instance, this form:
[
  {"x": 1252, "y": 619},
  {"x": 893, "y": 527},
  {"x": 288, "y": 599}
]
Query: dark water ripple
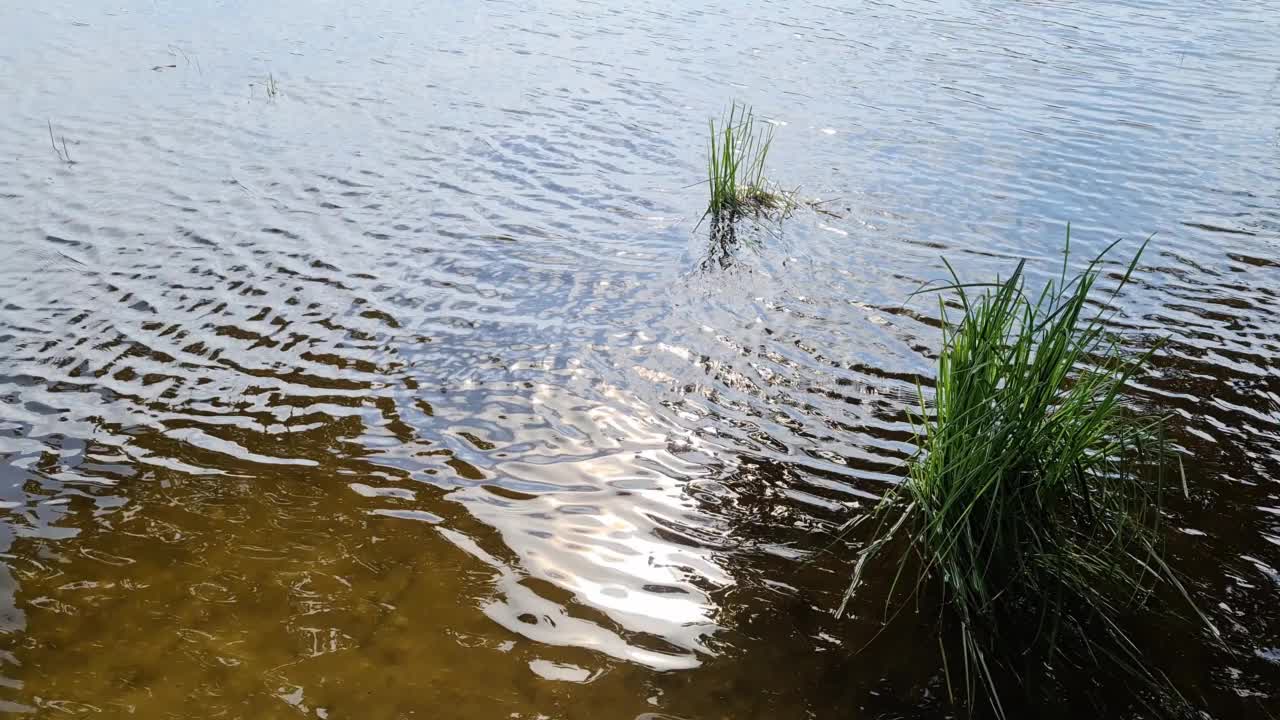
[{"x": 416, "y": 359}]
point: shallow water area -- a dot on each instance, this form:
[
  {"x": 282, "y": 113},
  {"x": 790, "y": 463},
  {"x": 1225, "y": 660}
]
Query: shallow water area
[{"x": 368, "y": 359}]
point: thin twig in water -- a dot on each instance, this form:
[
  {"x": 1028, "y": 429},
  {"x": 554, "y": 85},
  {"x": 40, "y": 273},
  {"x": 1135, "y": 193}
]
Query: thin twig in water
[
  {"x": 816, "y": 206},
  {"x": 53, "y": 143},
  {"x": 186, "y": 57},
  {"x": 64, "y": 154}
]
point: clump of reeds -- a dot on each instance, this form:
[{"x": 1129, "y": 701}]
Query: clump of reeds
[
  {"x": 1034, "y": 502},
  {"x": 736, "y": 159}
]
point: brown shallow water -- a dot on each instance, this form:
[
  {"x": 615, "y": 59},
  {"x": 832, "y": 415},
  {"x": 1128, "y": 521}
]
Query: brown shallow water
[{"x": 408, "y": 388}]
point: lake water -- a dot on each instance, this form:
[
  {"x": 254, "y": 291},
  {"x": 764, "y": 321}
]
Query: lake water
[{"x": 365, "y": 359}]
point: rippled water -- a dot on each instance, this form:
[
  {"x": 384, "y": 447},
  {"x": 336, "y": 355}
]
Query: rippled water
[{"x": 364, "y": 360}]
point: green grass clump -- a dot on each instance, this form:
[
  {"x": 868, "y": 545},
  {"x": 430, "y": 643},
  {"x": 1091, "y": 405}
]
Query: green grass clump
[
  {"x": 1034, "y": 502},
  {"x": 735, "y": 167}
]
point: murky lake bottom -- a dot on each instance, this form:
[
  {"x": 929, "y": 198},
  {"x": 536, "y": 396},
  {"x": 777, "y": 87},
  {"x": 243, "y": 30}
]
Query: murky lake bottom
[{"x": 367, "y": 359}]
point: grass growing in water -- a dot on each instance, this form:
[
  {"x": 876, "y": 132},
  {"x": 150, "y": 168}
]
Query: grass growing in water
[
  {"x": 736, "y": 157},
  {"x": 1034, "y": 502}
]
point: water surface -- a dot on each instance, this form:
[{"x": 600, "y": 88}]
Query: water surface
[{"x": 363, "y": 359}]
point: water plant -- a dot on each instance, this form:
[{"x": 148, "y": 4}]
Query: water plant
[
  {"x": 736, "y": 158},
  {"x": 1033, "y": 505}
]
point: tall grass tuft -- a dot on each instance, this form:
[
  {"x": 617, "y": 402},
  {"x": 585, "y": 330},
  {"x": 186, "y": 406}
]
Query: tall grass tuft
[
  {"x": 736, "y": 158},
  {"x": 1034, "y": 501}
]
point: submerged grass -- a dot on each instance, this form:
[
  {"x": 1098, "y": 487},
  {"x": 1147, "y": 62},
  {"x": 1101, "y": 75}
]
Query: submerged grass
[
  {"x": 736, "y": 158},
  {"x": 1034, "y": 502}
]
